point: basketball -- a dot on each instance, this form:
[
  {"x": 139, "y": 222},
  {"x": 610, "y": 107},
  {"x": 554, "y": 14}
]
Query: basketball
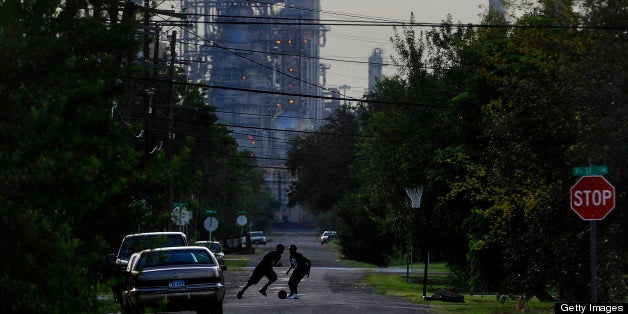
[{"x": 282, "y": 294}]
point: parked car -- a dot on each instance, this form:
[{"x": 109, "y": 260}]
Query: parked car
[
  {"x": 215, "y": 247},
  {"x": 185, "y": 278},
  {"x": 327, "y": 236},
  {"x": 134, "y": 243},
  {"x": 257, "y": 237}
]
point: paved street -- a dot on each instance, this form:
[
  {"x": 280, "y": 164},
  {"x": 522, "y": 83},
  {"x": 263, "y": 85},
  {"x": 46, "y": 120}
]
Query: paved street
[{"x": 330, "y": 288}]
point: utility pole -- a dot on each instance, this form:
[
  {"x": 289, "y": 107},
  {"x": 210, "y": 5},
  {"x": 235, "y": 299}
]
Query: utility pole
[
  {"x": 146, "y": 95},
  {"x": 156, "y": 35},
  {"x": 170, "y": 110}
]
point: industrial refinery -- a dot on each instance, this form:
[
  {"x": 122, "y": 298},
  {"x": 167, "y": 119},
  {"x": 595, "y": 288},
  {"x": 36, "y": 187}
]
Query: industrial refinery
[{"x": 263, "y": 57}]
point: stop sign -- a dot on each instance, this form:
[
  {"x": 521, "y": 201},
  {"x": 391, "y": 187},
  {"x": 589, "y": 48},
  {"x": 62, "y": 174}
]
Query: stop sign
[{"x": 592, "y": 197}]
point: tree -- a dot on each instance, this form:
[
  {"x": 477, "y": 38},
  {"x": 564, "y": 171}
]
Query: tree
[
  {"x": 424, "y": 138},
  {"x": 516, "y": 110},
  {"x": 75, "y": 175},
  {"x": 322, "y": 161},
  {"x": 539, "y": 81},
  {"x": 64, "y": 163}
]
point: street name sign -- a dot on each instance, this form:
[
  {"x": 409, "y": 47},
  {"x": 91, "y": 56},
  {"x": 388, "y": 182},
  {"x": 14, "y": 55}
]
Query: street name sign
[{"x": 589, "y": 170}]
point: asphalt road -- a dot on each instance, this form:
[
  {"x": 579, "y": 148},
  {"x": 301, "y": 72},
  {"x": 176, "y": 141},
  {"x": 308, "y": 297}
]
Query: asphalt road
[{"x": 330, "y": 288}]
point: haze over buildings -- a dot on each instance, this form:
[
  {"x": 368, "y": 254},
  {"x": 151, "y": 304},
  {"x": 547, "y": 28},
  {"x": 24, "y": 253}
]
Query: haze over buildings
[
  {"x": 264, "y": 55},
  {"x": 264, "y": 60}
]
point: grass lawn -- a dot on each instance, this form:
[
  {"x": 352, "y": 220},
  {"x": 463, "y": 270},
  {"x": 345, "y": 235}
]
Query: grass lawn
[
  {"x": 395, "y": 284},
  {"x": 235, "y": 262}
]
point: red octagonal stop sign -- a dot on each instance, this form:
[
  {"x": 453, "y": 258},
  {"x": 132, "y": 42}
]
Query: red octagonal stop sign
[{"x": 592, "y": 197}]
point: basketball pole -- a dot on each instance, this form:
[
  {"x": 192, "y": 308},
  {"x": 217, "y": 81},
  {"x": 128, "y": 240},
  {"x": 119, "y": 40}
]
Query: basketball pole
[
  {"x": 409, "y": 257},
  {"x": 415, "y": 196},
  {"x": 427, "y": 261}
]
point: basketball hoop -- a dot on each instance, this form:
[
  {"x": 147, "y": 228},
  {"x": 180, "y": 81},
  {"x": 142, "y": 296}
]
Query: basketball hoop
[{"x": 415, "y": 196}]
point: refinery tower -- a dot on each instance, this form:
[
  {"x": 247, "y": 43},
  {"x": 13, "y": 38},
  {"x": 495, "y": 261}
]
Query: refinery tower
[{"x": 262, "y": 59}]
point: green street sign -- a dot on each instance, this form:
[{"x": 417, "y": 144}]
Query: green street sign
[
  {"x": 589, "y": 170},
  {"x": 241, "y": 212},
  {"x": 180, "y": 204},
  {"x": 211, "y": 211}
]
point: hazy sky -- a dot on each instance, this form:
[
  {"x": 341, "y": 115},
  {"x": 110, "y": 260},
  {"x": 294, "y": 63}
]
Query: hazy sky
[{"x": 356, "y": 43}]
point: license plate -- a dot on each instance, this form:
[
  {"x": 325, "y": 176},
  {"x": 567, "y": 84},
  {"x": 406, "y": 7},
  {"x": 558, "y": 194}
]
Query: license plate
[{"x": 176, "y": 284}]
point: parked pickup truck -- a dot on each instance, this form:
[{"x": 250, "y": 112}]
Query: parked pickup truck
[{"x": 138, "y": 242}]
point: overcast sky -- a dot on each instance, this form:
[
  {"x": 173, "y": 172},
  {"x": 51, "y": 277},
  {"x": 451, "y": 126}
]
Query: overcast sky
[{"x": 357, "y": 42}]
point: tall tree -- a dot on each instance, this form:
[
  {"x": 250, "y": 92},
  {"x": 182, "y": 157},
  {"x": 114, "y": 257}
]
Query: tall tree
[
  {"x": 75, "y": 176},
  {"x": 64, "y": 163},
  {"x": 322, "y": 161},
  {"x": 517, "y": 111}
]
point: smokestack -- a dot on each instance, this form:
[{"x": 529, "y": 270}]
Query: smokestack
[
  {"x": 496, "y": 6},
  {"x": 376, "y": 61}
]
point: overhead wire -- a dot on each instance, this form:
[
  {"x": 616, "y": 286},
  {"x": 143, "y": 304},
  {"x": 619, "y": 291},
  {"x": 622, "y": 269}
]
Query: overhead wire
[
  {"x": 301, "y": 56},
  {"x": 230, "y": 123},
  {"x": 366, "y": 23},
  {"x": 359, "y": 24},
  {"x": 194, "y": 34},
  {"x": 355, "y": 23},
  {"x": 261, "y": 64},
  {"x": 261, "y": 91}
]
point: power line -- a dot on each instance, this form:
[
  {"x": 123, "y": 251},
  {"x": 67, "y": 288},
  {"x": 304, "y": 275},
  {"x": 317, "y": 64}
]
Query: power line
[
  {"x": 232, "y": 125},
  {"x": 262, "y": 65},
  {"x": 419, "y": 24},
  {"x": 299, "y": 55},
  {"x": 373, "y": 21},
  {"x": 370, "y": 101}
]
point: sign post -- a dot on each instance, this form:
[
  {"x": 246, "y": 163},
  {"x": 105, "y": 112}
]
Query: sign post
[{"x": 592, "y": 198}]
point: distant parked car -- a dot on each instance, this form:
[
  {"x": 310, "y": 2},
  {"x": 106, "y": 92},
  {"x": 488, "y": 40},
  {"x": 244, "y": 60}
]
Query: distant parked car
[
  {"x": 327, "y": 236},
  {"x": 215, "y": 247},
  {"x": 257, "y": 237},
  {"x": 134, "y": 243},
  {"x": 175, "y": 279}
]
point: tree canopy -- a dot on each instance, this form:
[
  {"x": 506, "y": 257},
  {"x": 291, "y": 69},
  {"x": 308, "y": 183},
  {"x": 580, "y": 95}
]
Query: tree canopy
[
  {"x": 76, "y": 174},
  {"x": 499, "y": 116}
]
